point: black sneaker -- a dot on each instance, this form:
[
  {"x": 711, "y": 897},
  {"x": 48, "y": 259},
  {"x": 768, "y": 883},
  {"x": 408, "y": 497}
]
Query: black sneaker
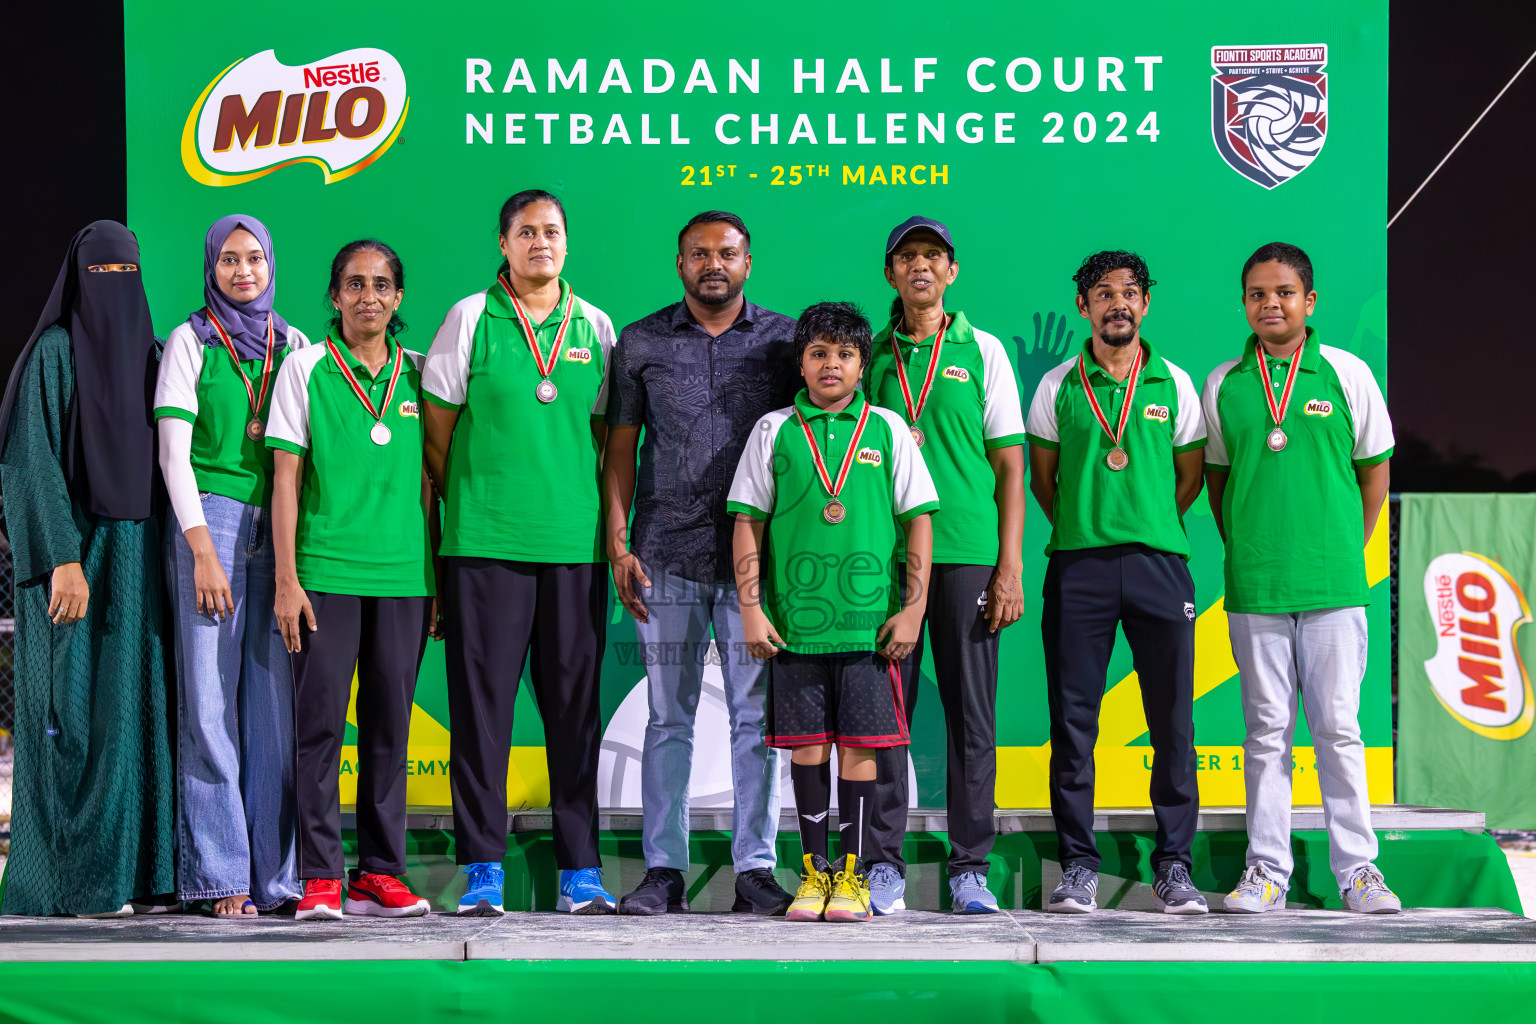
[
  {"x": 758, "y": 893},
  {"x": 661, "y": 891},
  {"x": 1175, "y": 893},
  {"x": 1075, "y": 892}
]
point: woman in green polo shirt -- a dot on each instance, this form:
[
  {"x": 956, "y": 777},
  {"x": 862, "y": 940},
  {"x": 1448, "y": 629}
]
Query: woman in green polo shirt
[
  {"x": 515, "y": 385},
  {"x": 234, "y": 807},
  {"x": 955, "y": 387},
  {"x": 351, "y": 508}
]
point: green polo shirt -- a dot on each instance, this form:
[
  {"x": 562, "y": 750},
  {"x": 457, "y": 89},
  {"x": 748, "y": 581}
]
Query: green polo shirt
[
  {"x": 199, "y": 383},
  {"x": 1295, "y": 526},
  {"x": 523, "y": 478},
  {"x": 1097, "y": 506},
  {"x": 972, "y": 408},
  {"x": 827, "y": 588},
  {"x": 362, "y": 518}
]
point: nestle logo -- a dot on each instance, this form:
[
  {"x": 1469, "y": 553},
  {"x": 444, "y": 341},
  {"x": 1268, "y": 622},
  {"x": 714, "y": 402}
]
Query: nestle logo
[{"x": 327, "y": 75}]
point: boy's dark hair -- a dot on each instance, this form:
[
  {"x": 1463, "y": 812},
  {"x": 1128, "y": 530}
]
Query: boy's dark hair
[
  {"x": 1100, "y": 263},
  {"x": 339, "y": 267},
  {"x": 1282, "y": 252},
  {"x": 842, "y": 322},
  {"x": 716, "y": 217}
]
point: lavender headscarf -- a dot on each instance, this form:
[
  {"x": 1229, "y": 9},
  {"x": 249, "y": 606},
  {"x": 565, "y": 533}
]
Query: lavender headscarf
[{"x": 246, "y": 322}]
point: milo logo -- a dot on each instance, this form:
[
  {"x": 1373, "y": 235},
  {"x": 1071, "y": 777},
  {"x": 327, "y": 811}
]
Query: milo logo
[
  {"x": 1318, "y": 407},
  {"x": 868, "y": 456},
  {"x": 259, "y": 115},
  {"x": 409, "y": 409},
  {"x": 1156, "y": 412},
  {"x": 957, "y": 373},
  {"x": 578, "y": 355}
]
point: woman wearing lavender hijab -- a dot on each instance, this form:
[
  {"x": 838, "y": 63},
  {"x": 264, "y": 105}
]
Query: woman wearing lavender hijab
[{"x": 235, "y": 817}]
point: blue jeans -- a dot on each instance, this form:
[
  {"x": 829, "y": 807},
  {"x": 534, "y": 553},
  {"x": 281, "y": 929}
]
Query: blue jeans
[
  {"x": 235, "y": 816},
  {"x": 676, "y": 641}
]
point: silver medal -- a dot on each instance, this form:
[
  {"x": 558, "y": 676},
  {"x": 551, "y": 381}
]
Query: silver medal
[
  {"x": 379, "y": 434},
  {"x": 546, "y": 392}
]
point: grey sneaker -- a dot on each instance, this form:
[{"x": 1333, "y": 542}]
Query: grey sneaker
[
  {"x": 1075, "y": 893},
  {"x": 1256, "y": 893},
  {"x": 1367, "y": 893},
  {"x": 1174, "y": 893},
  {"x": 969, "y": 894},
  {"x": 887, "y": 889}
]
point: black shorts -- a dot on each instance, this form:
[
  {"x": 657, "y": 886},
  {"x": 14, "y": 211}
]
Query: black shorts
[{"x": 854, "y": 700}]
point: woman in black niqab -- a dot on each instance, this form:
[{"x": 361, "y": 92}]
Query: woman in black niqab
[{"x": 92, "y": 810}]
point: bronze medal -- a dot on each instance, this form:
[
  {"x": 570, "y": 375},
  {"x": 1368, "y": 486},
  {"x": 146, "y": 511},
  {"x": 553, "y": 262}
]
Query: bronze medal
[
  {"x": 917, "y": 436},
  {"x": 834, "y": 512},
  {"x": 1117, "y": 459},
  {"x": 1277, "y": 439},
  {"x": 915, "y": 407},
  {"x": 255, "y": 430}
]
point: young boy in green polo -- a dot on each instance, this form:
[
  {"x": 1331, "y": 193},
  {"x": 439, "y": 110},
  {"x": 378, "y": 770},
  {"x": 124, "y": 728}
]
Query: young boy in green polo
[{"x": 818, "y": 495}]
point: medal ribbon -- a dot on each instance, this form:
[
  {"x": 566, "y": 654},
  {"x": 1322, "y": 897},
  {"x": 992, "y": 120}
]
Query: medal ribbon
[
  {"x": 916, "y": 410},
  {"x": 821, "y": 466},
  {"x": 533, "y": 345},
  {"x": 357, "y": 389},
  {"x": 1277, "y": 410},
  {"x": 257, "y": 401},
  {"x": 1130, "y": 396}
]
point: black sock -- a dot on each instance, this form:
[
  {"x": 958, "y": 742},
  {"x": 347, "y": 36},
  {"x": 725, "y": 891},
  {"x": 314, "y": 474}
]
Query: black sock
[
  {"x": 813, "y": 797},
  {"x": 855, "y": 804}
]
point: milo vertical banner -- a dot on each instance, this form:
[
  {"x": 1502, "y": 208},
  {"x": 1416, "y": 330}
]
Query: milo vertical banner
[
  {"x": 1465, "y": 709},
  {"x": 1190, "y": 132}
]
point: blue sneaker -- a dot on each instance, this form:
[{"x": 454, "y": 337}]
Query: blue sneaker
[
  {"x": 887, "y": 889},
  {"x": 582, "y": 892},
  {"x": 483, "y": 897},
  {"x": 969, "y": 894}
]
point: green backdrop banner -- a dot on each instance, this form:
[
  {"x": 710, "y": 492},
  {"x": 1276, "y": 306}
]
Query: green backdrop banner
[
  {"x": 1465, "y": 708},
  {"x": 1190, "y": 133}
]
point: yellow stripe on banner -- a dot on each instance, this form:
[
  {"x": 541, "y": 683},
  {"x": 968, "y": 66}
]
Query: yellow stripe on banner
[
  {"x": 1124, "y": 775},
  {"x": 427, "y": 766}
]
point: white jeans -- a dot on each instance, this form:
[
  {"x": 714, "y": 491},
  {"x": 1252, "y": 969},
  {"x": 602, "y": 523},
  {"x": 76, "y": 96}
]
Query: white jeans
[{"x": 1320, "y": 655}]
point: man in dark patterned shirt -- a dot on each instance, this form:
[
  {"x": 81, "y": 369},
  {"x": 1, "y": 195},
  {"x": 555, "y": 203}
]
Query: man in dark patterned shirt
[{"x": 696, "y": 375}]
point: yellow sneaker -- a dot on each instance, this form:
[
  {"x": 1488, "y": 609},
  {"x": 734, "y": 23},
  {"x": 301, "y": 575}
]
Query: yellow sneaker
[
  {"x": 815, "y": 888},
  {"x": 850, "y": 893}
]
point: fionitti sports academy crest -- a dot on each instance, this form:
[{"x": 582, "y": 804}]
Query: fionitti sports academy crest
[{"x": 1269, "y": 109}]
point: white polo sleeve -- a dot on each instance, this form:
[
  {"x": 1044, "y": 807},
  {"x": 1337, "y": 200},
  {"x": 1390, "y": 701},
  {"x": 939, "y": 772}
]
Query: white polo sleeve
[
  {"x": 288, "y": 420},
  {"x": 1041, "y": 428},
  {"x": 602, "y": 326},
  {"x": 1189, "y": 430},
  {"x": 754, "y": 489},
  {"x": 1367, "y": 406},
  {"x": 181, "y": 364},
  {"x": 297, "y": 339},
  {"x": 1216, "y": 454},
  {"x": 1002, "y": 414},
  {"x": 445, "y": 379},
  {"x": 912, "y": 490}
]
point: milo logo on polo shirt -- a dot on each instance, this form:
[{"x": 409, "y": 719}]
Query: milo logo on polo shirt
[
  {"x": 409, "y": 409},
  {"x": 259, "y": 115},
  {"x": 868, "y": 456},
  {"x": 957, "y": 373},
  {"x": 578, "y": 355},
  {"x": 1318, "y": 407},
  {"x": 1156, "y": 412}
]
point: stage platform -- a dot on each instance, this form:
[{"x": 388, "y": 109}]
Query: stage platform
[{"x": 1026, "y": 937}]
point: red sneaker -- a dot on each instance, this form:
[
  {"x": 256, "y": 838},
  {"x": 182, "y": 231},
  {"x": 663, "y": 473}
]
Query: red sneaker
[
  {"x": 383, "y": 896},
  {"x": 322, "y": 899}
]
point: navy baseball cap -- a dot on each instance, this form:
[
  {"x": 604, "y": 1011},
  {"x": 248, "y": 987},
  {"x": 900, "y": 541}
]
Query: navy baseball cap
[{"x": 912, "y": 224}]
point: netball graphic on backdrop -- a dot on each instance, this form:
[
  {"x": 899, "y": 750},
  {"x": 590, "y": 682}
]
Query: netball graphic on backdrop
[{"x": 1269, "y": 109}]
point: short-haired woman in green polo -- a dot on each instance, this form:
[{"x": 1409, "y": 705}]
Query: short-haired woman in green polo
[
  {"x": 352, "y": 523},
  {"x": 515, "y": 385}
]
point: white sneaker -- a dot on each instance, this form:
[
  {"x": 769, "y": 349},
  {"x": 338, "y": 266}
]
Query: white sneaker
[
  {"x": 1367, "y": 893},
  {"x": 125, "y": 911},
  {"x": 1256, "y": 893}
]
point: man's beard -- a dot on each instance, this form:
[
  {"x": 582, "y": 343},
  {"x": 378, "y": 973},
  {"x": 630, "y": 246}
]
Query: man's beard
[
  {"x": 722, "y": 299},
  {"x": 1119, "y": 342}
]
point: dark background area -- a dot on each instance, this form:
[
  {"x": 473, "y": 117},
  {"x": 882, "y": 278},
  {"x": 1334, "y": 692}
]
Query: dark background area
[{"x": 1460, "y": 315}]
